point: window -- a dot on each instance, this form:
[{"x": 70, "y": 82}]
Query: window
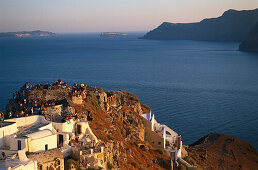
[
  {"x": 46, "y": 147},
  {"x": 19, "y": 145},
  {"x": 159, "y": 143}
]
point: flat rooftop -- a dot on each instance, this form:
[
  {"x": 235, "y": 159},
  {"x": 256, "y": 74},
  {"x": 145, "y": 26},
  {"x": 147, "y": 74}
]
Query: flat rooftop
[
  {"x": 3, "y": 124},
  {"x": 25, "y": 130},
  {"x": 4, "y": 165}
]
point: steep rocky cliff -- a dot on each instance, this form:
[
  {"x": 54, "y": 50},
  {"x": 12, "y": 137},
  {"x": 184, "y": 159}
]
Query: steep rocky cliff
[
  {"x": 231, "y": 26},
  {"x": 251, "y": 42},
  {"x": 117, "y": 122}
]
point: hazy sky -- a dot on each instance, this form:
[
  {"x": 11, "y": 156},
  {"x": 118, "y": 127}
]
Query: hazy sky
[{"x": 108, "y": 15}]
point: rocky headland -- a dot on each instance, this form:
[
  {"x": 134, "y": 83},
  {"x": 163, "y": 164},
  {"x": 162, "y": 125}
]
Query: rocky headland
[
  {"x": 121, "y": 126},
  {"x": 251, "y": 42},
  {"x": 221, "y": 151},
  {"x": 233, "y": 25},
  {"x": 36, "y": 33}
]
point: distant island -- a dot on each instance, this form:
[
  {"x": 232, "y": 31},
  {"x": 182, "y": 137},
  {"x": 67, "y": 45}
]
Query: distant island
[
  {"x": 233, "y": 25},
  {"x": 113, "y": 34},
  {"x": 251, "y": 42},
  {"x": 36, "y": 33}
]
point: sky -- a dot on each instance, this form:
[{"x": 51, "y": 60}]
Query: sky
[{"x": 109, "y": 15}]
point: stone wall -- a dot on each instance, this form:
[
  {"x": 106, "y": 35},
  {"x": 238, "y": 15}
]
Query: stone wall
[
  {"x": 151, "y": 136},
  {"x": 26, "y": 121},
  {"x": 47, "y": 159},
  {"x": 45, "y": 95},
  {"x": 55, "y": 112},
  {"x": 77, "y": 100},
  {"x": 6, "y": 131}
]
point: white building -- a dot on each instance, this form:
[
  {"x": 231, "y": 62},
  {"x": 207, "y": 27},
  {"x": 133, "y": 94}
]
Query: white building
[
  {"x": 21, "y": 163},
  {"x": 165, "y": 136},
  {"x": 34, "y": 134}
]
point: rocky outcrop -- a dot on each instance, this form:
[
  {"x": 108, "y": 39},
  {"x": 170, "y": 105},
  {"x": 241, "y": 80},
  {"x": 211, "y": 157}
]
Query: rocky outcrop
[
  {"x": 220, "y": 151},
  {"x": 251, "y": 42},
  {"x": 114, "y": 99},
  {"x": 118, "y": 125},
  {"x": 231, "y": 26}
]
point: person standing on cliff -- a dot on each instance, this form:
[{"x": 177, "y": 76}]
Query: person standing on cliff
[
  {"x": 10, "y": 115},
  {"x": 2, "y": 115}
]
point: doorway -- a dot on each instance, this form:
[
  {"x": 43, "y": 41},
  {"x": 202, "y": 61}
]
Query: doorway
[
  {"x": 19, "y": 145},
  {"x": 60, "y": 140},
  {"x": 79, "y": 129}
]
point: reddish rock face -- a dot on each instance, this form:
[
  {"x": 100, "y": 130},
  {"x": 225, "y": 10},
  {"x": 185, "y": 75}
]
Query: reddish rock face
[{"x": 220, "y": 151}]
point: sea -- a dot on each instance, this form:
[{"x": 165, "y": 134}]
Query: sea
[{"x": 194, "y": 87}]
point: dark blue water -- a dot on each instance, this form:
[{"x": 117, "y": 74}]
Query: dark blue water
[{"x": 194, "y": 87}]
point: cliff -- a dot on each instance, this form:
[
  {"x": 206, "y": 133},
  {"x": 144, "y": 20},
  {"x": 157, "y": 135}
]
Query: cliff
[
  {"x": 36, "y": 33},
  {"x": 251, "y": 42},
  {"x": 220, "y": 151},
  {"x": 231, "y": 26},
  {"x": 116, "y": 118},
  {"x": 117, "y": 122}
]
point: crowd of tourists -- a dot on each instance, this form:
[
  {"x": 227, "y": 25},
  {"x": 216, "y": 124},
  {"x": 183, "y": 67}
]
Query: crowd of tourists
[
  {"x": 23, "y": 107},
  {"x": 57, "y": 85},
  {"x": 79, "y": 90},
  {"x": 70, "y": 116}
]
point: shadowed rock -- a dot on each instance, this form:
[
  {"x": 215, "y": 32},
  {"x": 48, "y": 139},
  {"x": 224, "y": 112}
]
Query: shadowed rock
[{"x": 251, "y": 42}]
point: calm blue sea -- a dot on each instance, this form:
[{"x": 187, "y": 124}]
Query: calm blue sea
[{"x": 195, "y": 87}]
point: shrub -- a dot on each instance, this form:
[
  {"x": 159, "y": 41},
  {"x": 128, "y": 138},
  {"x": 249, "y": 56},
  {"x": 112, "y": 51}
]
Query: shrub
[
  {"x": 110, "y": 166},
  {"x": 135, "y": 164},
  {"x": 190, "y": 160},
  {"x": 94, "y": 100}
]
